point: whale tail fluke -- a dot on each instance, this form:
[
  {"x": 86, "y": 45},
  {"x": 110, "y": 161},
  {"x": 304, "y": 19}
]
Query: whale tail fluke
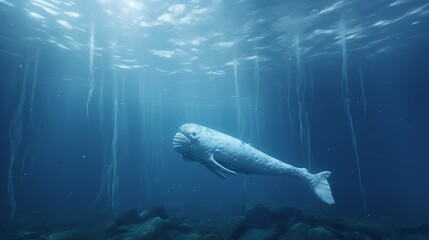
[{"x": 321, "y": 187}]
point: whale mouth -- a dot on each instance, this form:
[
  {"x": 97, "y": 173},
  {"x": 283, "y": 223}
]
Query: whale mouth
[{"x": 180, "y": 142}]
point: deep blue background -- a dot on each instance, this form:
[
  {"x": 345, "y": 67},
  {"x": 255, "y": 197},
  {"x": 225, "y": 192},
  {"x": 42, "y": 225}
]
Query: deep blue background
[{"x": 71, "y": 152}]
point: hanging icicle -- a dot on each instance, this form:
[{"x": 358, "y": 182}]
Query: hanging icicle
[
  {"x": 91, "y": 68},
  {"x": 345, "y": 90}
]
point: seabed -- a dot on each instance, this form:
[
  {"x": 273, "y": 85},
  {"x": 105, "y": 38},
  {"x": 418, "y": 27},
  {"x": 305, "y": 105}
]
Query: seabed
[{"x": 236, "y": 222}]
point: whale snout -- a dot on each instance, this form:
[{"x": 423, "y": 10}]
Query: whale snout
[{"x": 181, "y": 143}]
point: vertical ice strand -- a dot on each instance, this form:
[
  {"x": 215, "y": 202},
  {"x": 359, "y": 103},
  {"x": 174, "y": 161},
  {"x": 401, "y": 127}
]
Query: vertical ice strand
[
  {"x": 257, "y": 98},
  {"x": 34, "y": 126},
  {"x": 301, "y": 86},
  {"x": 103, "y": 134},
  {"x": 33, "y": 89},
  {"x": 240, "y": 121},
  {"x": 113, "y": 176},
  {"x": 345, "y": 90},
  {"x": 15, "y": 140},
  {"x": 101, "y": 104},
  {"x": 91, "y": 68},
  {"x": 289, "y": 80},
  {"x": 362, "y": 88}
]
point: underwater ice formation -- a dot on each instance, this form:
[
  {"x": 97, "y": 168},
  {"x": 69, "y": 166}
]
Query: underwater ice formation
[
  {"x": 24, "y": 130},
  {"x": 15, "y": 140},
  {"x": 301, "y": 85},
  {"x": 33, "y": 89},
  {"x": 290, "y": 110},
  {"x": 34, "y": 126},
  {"x": 91, "y": 69},
  {"x": 257, "y": 99},
  {"x": 113, "y": 166},
  {"x": 309, "y": 156},
  {"x": 101, "y": 104},
  {"x": 362, "y": 88},
  {"x": 300, "y": 88},
  {"x": 103, "y": 134},
  {"x": 16, "y": 133},
  {"x": 289, "y": 93},
  {"x": 345, "y": 90},
  {"x": 110, "y": 175},
  {"x": 240, "y": 121}
]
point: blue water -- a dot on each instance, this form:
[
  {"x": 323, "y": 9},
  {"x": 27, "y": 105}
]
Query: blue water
[{"x": 92, "y": 93}]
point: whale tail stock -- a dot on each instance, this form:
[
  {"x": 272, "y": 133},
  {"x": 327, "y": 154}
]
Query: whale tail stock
[{"x": 319, "y": 183}]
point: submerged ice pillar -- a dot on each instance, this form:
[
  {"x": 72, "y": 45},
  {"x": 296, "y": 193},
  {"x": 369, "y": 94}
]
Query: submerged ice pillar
[
  {"x": 345, "y": 90},
  {"x": 301, "y": 88},
  {"x": 240, "y": 121},
  {"x": 362, "y": 88},
  {"x": 33, "y": 89},
  {"x": 16, "y": 132},
  {"x": 91, "y": 68},
  {"x": 257, "y": 99},
  {"x": 113, "y": 167}
]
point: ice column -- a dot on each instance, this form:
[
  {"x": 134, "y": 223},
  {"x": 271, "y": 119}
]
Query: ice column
[
  {"x": 33, "y": 89},
  {"x": 301, "y": 85},
  {"x": 362, "y": 88},
  {"x": 15, "y": 141},
  {"x": 91, "y": 69},
  {"x": 113, "y": 166},
  {"x": 345, "y": 90},
  {"x": 257, "y": 99},
  {"x": 240, "y": 123},
  {"x": 300, "y": 88}
]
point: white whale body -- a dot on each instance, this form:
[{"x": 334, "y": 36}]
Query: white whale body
[{"x": 223, "y": 154}]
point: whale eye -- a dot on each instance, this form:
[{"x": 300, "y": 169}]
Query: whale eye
[{"x": 193, "y": 134}]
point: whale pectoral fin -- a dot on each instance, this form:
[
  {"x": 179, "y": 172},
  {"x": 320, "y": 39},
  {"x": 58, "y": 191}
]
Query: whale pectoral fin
[{"x": 217, "y": 168}]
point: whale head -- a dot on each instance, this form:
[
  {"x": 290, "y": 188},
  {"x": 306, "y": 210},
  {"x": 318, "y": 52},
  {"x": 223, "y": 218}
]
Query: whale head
[{"x": 186, "y": 138}]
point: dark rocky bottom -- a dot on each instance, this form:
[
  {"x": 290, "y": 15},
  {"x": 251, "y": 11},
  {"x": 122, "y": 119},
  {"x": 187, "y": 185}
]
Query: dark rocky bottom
[{"x": 257, "y": 223}]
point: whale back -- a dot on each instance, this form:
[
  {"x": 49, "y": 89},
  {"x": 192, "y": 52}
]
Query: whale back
[{"x": 228, "y": 151}]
